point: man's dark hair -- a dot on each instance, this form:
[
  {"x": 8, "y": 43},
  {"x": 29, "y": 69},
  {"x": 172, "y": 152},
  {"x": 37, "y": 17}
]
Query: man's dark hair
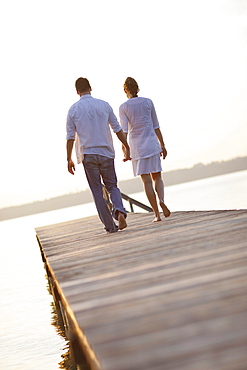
[{"x": 82, "y": 85}]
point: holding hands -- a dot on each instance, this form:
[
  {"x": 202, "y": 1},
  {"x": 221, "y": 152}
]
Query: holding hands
[
  {"x": 125, "y": 146},
  {"x": 126, "y": 152}
]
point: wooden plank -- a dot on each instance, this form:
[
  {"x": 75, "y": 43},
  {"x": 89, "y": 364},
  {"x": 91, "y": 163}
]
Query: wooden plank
[{"x": 165, "y": 295}]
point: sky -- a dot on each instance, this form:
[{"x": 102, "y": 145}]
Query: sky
[{"x": 189, "y": 57}]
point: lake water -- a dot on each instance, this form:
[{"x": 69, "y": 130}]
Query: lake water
[{"x": 29, "y": 338}]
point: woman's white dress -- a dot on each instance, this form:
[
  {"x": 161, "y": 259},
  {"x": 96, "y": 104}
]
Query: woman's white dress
[{"x": 139, "y": 119}]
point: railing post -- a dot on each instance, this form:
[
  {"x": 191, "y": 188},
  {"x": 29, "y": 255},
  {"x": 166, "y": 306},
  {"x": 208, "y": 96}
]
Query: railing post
[
  {"x": 131, "y": 205},
  {"x": 107, "y": 198}
]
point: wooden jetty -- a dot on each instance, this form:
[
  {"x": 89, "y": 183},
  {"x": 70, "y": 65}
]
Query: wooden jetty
[{"x": 156, "y": 296}]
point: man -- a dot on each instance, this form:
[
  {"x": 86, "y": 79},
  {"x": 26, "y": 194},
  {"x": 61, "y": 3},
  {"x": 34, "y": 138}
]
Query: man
[{"x": 88, "y": 123}]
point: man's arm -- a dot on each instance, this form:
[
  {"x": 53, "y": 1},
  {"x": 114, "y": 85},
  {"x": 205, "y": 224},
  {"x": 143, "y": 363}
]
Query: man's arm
[
  {"x": 160, "y": 138},
  {"x": 123, "y": 138},
  {"x": 71, "y": 165}
]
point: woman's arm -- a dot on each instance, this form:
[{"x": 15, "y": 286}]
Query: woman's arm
[{"x": 160, "y": 138}]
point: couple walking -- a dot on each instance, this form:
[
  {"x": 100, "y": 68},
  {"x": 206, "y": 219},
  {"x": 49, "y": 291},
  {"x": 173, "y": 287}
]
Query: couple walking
[{"x": 88, "y": 123}]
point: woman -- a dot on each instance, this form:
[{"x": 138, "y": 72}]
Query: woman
[{"x": 138, "y": 117}]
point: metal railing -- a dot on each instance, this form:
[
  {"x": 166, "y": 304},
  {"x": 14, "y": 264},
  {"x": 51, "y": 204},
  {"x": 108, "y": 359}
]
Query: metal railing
[
  {"x": 128, "y": 199},
  {"x": 136, "y": 203}
]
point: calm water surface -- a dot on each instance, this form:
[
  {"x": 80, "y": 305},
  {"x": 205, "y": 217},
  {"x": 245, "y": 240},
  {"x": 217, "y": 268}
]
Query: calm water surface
[{"x": 29, "y": 338}]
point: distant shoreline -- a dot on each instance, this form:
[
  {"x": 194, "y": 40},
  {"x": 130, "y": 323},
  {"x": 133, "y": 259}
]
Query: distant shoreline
[{"x": 197, "y": 172}]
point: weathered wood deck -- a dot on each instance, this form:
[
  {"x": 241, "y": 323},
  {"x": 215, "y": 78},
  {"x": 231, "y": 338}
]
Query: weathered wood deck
[{"x": 156, "y": 296}]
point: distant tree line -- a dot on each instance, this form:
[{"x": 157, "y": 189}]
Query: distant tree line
[{"x": 198, "y": 171}]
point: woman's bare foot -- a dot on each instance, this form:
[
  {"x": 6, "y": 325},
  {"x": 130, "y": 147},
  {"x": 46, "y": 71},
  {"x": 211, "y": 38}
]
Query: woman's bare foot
[
  {"x": 165, "y": 210},
  {"x": 156, "y": 219},
  {"x": 122, "y": 224}
]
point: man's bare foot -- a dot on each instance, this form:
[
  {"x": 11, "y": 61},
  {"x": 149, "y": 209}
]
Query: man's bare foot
[
  {"x": 165, "y": 210},
  {"x": 156, "y": 219},
  {"x": 122, "y": 224}
]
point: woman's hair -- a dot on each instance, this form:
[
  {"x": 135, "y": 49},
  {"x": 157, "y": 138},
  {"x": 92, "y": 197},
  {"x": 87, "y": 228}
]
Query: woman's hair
[
  {"x": 82, "y": 85},
  {"x": 131, "y": 86}
]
